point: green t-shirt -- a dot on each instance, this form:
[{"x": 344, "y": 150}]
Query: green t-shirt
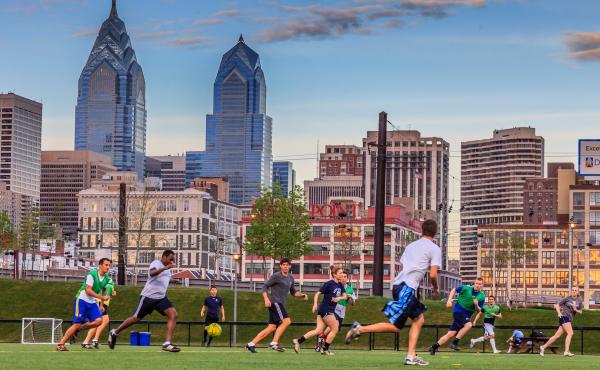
[
  {"x": 489, "y": 310},
  {"x": 349, "y": 293},
  {"x": 98, "y": 285},
  {"x": 466, "y": 296}
]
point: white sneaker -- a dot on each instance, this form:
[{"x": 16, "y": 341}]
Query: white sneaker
[
  {"x": 471, "y": 344},
  {"x": 569, "y": 354},
  {"x": 296, "y": 345},
  {"x": 415, "y": 361},
  {"x": 497, "y": 351},
  {"x": 542, "y": 349}
]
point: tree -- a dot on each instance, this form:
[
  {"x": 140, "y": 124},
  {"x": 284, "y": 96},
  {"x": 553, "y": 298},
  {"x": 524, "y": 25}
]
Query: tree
[
  {"x": 28, "y": 235},
  {"x": 500, "y": 257},
  {"x": 511, "y": 253},
  {"x": 279, "y": 227},
  {"x": 7, "y": 232}
]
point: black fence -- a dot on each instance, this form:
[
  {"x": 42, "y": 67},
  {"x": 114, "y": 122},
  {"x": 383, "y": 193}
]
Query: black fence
[{"x": 190, "y": 333}]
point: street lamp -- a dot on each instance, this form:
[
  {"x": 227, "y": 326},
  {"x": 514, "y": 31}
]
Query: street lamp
[
  {"x": 571, "y": 228},
  {"x": 236, "y": 258}
]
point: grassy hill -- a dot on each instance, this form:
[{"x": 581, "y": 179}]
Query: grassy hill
[{"x": 54, "y": 299}]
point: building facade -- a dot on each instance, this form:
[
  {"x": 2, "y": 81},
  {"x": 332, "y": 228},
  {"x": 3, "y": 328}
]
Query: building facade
[
  {"x": 417, "y": 172},
  {"x": 169, "y": 168},
  {"x": 284, "y": 175},
  {"x": 203, "y": 232},
  {"x": 110, "y": 117},
  {"x": 64, "y": 174},
  {"x": 329, "y": 189},
  {"x": 21, "y": 148},
  {"x": 217, "y": 187},
  {"x": 540, "y": 196},
  {"x": 493, "y": 174},
  {"x": 239, "y": 132},
  {"x": 341, "y": 160}
]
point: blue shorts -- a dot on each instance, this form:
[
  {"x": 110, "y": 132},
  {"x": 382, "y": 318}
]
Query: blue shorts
[
  {"x": 460, "y": 320},
  {"x": 563, "y": 320},
  {"x": 404, "y": 305},
  {"x": 277, "y": 313},
  {"x": 84, "y": 311}
]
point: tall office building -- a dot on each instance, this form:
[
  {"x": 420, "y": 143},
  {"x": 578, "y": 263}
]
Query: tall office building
[
  {"x": 341, "y": 160},
  {"x": 416, "y": 176},
  {"x": 238, "y": 133},
  {"x": 110, "y": 117},
  {"x": 493, "y": 175},
  {"x": 21, "y": 148},
  {"x": 284, "y": 175},
  {"x": 170, "y": 169},
  {"x": 64, "y": 174}
]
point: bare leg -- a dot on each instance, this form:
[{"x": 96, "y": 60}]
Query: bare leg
[
  {"x": 281, "y": 329},
  {"x": 318, "y": 330},
  {"x": 171, "y": 322},
  {"x": 413, "y": 334},
  {"x": 89, "y": 335},
  {"x": 264, "y": 333},
  {"x": 449, "y": 335},
  {"x": 555, "y": 337},
  {"x": 465, "y": 329},
  {"x": 380, "y": 327},
  {"x": 127, "y": 323},
  {"x": 333, "y": 326},
  {"x": 568, "y": 328},
  {"x": 69, "y": 332},
  {"x": 100, "y": 329}
]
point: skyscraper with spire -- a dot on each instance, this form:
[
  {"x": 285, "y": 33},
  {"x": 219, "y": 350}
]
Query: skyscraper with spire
[
  {"x": 110, "y": 117},
  {"x": 238, "y": 133}
]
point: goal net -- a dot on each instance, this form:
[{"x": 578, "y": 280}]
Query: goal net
[{"x": 41, "y": 330}]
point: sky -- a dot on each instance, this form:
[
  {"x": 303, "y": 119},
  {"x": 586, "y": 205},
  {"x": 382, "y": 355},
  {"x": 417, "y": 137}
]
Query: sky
[{"x": 457, "y": 69}]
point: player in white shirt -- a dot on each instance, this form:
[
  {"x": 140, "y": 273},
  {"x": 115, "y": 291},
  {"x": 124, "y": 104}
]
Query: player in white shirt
[
  {"x": 420, "y": 257},
  {"x": 154, "y": 297}
]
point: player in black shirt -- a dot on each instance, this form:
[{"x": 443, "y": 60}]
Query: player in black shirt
[{"x": 213, "y": 304}]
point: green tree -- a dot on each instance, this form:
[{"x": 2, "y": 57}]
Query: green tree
[
  {"x": 279, "y": 227},
  {"x": 7, "y": 232}
]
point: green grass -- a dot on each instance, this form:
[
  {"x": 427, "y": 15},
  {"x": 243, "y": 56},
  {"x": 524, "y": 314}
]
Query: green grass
[{"x": 17, "y": 356}]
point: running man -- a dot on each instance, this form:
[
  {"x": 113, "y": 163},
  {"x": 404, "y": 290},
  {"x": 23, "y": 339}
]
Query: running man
[
  {"x": 95, "y": 333},
  {"x": 333, "y": 292},
  {"x": 340, "y": 310},
  {"x": 470, "y": 299},
  {"x": 420, "y": 257},
  {"x": 86, "y": 313},
  {"x": 491, "y": 312},
  {"x": 280, "y": 283},
  {"x": 566, "y": 309},
  {"x": 213, "y": 305},
  {"x": 154, "y": 297}
]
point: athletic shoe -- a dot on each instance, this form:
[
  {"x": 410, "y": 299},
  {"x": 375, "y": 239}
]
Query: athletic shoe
[
  {"x": 471, "y": 344},
  {"x": 496, "y": 352},
  {"x": 277, "y": 348},
  {"x": 112, "y": 339},
  {"x": 432, "y": 350},
  {"x": 569, "y": 354},
  {"x": 61, "y": 348},
  {"x": 296, "y": 345},
  {"x": 542, "y": 350},
  {"x": 86, "y": 346},
  {"x": 251, "y": 348},
  {"x": 454, "y": 347},
  {"x": 319, "y": 345},
  {"x": 95, "y": 344},
  {"x": 415, "y": 361},
  {"x": 327, "y": 352},
  {"x": 170, "y": 347},
  {"x": 207, "y": 345},
  {"x": 353, "y": 333}
]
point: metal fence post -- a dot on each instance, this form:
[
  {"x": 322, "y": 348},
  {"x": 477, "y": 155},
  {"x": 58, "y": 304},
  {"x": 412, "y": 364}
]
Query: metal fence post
[
  {"x": 189, "y": 334},
  {"x": 582, "y": 341},
  {"x": 370, "y": 341},
  {"x": 230, "y": 336}
]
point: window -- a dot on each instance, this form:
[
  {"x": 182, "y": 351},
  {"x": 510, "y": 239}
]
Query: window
[
  {"x": 531, "y": 278},
  {"x": 547, "y": 278},
  {"x": 547, "y": 258},
  {"x": 594, "y": 218},
  {"x": 110, "y": 206},
  {"x": 321, "y": 231},
  {"x": 594, "y": 277},
  {"x": 594, "y": 257},
  {"x": 186, "y": 205},
  {"x": 146, "y": 257},
  {"x": 167, "y": 205},
  {"x": 595, "y": 237},
  {"x": 562, "y": 258},
  {"x": 316, "y": 268},
  {"x": 562, "y": 277},
  {"x": 578, "y": 198},
  {"x": 579, "y": 218},
  {"x": 109, "y": 224},
  {"x": 516, "y": 277},
  {"x": 595, "y": 199},
  {"x": 487, "y": 277},
  {"x": 166, "y": 224}
]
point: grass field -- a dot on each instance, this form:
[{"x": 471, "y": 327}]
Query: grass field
[{"x": 18, "y": 356}]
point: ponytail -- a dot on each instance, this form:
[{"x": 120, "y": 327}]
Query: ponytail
[{"x": 334, "y": 269}]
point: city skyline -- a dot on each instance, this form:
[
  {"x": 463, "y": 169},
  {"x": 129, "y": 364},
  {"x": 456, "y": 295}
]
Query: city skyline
[{"x": 482, "y": 76}]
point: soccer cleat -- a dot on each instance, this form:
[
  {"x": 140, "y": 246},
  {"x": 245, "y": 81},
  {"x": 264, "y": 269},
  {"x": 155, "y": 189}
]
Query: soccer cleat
[
  {"x": 353, "y": 333},
  {"x": 415, "y": 361},
  {"x": 95, "y": 344},
  {"x": 432, "y": 350},
  {"x": 454, "y": 347},
  {"x": 112, "y": 339},
  {"x": 471, "y": 344},
  {"x": 496, "y": 352},
  {"x": 277, "y": 348},
  {"x": 542, "y": 349},
  {"x": 86, "y": 346},
  {"x": 319, "y": 345},
  {"x": 569, "y": 354},
  {"x": 61, "y": 348},
  {"x": 296, "y": 345},
  {"x": 327, "y": 352},
  {"x": 170, "y": 347},
  {"x": 251, "y": 348}
]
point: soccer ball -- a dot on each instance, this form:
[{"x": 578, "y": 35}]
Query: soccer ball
[{"x": 214, "y": 330}]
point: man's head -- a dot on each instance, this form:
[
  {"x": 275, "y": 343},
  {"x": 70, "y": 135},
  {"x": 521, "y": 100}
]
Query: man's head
[
  {"x": 168, "y": 257},
  {"x": 478, "y": 284},
  {"x": 429, "y": 228},
  {"x": 213, "y": 291},
  {"x": 104, "y": 265},
  {"x": 491, "y": 300},
  {"x": 285, "y": 264},
  {"x": 344, "y": 277},
  {"x": 336, "y": 272},
  {"x": 575, "y": 291}
]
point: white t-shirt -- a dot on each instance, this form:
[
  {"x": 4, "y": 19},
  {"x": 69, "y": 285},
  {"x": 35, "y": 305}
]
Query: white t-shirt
[
  {"x": 416, "y": 261},
  {"x": 156, "y": 286},
  {"x": 83, "y": 295}
]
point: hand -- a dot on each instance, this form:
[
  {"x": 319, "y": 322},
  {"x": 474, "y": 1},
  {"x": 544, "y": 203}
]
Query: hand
[
  {"x": 104, "y": 298},
  {"x": 201, "y": 314},
  {"x": 449, "y": 303},
  {"x": 335, "y": 300},
  {"x": 314, "y": 308},
  {"x": 306, "y": 297},
  {"x": 559, "y": 315},
  {"x": 169, "y": 266},
  {"x": 114, "y": 293},
  {"x": 267, "y": 303}
]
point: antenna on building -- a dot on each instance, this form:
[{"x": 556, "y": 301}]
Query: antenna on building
[{"x": 318, "y": 169}]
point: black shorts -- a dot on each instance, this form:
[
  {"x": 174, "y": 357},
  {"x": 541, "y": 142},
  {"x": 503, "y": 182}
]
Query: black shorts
[
  {"x": 563, "y": 320},
  {"x": 147, "y": 305},
  {"x": 404, "y": 305},
  {"x": 211, "y": 320},
  {"x": 277, "y": 313},
  {"x": 325, "y": 313},
  {"x": 340, "y": 320},
  {"x": 104, "y": 309}
]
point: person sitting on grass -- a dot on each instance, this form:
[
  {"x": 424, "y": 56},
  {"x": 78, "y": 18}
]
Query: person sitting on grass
[{"x": 515, "y": 340}]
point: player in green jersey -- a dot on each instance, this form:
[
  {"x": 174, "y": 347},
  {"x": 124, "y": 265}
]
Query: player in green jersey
[
  {"x": 95, "y": 333},
  {"x": 491, "y": 312}
]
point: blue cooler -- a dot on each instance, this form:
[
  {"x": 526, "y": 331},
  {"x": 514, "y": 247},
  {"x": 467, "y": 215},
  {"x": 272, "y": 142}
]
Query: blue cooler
[
  {"x": 134, "y": 338},
  {"x": 144, "y": 338}
]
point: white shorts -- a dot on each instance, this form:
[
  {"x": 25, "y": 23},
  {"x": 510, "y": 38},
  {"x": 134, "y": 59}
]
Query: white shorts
[{"x": 488, "y": 329}]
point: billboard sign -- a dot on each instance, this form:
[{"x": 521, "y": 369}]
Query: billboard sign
[{"x": 589, "y": 157}]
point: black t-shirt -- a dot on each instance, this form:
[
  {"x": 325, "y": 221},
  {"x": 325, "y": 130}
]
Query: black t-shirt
[
  {"x": 214, "y": 305},
  {"x": 330, "y": 290}
]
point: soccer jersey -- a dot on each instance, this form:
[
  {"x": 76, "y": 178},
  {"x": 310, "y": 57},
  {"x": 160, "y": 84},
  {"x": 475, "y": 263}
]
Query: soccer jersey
[
  {"x": 340, "y": 308},
  {"x": 213, "y": 304},
  {"x": 97, "y": 282},
  {"x": 330, "y": 290},
  {"x": 156, "y": 286},
  {"x": 110, "y": 287},
  {"x": 464, "y": 303},
  {"x": 416, "y": 261},
  {"x": 280, "y": 286},
  {"x": 488, "y": 313}
]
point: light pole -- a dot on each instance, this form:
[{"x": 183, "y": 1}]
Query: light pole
[
  {"x": 236, "y": 258},
  {"x": 571, "y": 227}
]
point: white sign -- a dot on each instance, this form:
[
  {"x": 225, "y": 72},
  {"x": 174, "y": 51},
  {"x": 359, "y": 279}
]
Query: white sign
[{"x": 589, "y": 157}]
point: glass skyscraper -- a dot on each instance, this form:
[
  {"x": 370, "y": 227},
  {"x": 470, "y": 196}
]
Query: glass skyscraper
[
  {"x": 110, "y": 117},
  {"x": 284, "y": 175},
  {"x": 238, "y": 133}
]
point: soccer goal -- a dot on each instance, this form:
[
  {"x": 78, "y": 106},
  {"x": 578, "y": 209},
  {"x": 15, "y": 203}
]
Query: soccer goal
[{"x": 41, "y": 331}]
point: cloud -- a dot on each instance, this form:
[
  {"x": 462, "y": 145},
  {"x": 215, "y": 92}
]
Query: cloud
[
  {"x": 89, "y": 32},
  {"x": 187, "y": 41},
  {"x": 432, "y": 4},
  {"x": 393, "y": 24},
  {"x": 583, "y": 45},
  {"x": 228, "y": 13},
  {"x": 208, "y": 21},
  {"x": 386, "y": 14}
]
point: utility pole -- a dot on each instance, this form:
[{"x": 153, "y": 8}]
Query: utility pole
[
  {"x": 122, "y": 233},
  {"x": 380, "y": 206}
]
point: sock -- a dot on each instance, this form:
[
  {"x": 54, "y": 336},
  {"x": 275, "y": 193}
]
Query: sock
[
  {"x": 205, "y": 334},
  {"x": 301, "y": 339},
  {"x": 455, "y": 341},
  {"x": 480, "y": 339},
  {"x": 326, "y": 346},
  {"x": 409, "y": 357},
  {"x": 436, "y": 345},
  {"x": 493, "y": 344},
  {"x": 323, "y": 335},
  {"x": 210, "y": 340},
  {"x": 166, "y": 343},
  {"x": 250, "y": 344},
  {"x": 272, "y": 344}
]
